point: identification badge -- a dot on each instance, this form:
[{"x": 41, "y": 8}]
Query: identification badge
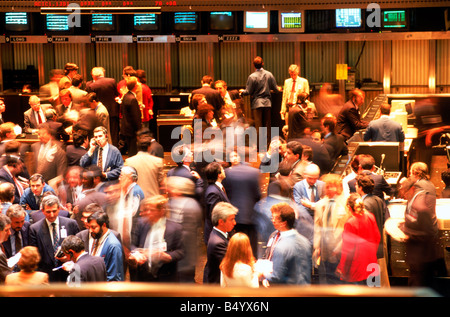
[{"x": 63, "y": 232}]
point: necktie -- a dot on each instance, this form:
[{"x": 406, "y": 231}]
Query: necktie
[
  {"x": 313, "y": 196},
  {"x": 94, "y": 247},
  {"x": 39, "y": 117},
  {"x": 55, "y": 237},
  {"x": 272, "y": 247},
  {"x": 100, "y": 158},
  {"x": 291, "y": 96},
  {"x": 18, "y": 243}
]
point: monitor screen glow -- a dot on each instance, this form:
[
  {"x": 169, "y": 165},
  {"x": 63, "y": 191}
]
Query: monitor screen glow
[
  {"x": 16, "y": 21},
  {"x": 145, "y": 22},
  {"x": 256, "y": 21},
  {"x": 291, "y": 22},
  {"x": 348, "y": 18}
]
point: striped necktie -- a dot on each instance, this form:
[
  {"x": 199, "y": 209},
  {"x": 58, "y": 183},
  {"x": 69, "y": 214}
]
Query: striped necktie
[{"x": 55, "y": 237}]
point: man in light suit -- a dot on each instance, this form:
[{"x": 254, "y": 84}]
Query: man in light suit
[
  {"x": 85, "y": 267},
  {"x": 292, "y": 87},
  {"x": 160, "y": 242},
  {"x": 101, "y": 241},
  {"x": 242, "y": 186},
  {"x": 111, "y": 158},
  {"x": 384, "y": 129},
  {"x": 223, "y": 219},
  {"x": 150, "y": 169},
  {"x": 34, "y": 116},
  {"x": 47, "y": 235},
  {"x": 309, "y": 191},
  {"x": 106, "y": 91}
]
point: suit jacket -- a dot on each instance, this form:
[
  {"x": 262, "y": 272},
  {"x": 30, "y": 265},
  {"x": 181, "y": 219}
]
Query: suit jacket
[
  {"x": 384, "y": 129},
  {"x": 183, "y": 171},
  {"x": 242, "y": 185},
  {"x": 28, "y": 198},
  {"x": 349, "y": 120},
  {"x": 156, "y": 149},
  {"x": 321, "y": 156},
  {"x": 113, "y": 165},
  {"x": 213, "y": 195},
  {"x": 297, "y": 122},
  {"x": 91, "y": 268},
  {"x": 377, "y": 207},
  {"x": 40, "y": 237},
  {"x": 336, "y": 146},
  {"x": 53, "y": 164},
  {"x": 301, "y": 85},
  {"x": 30, "y": 121},
  {"x": 215, "y": 252},
  {"x": 4, "y": 268},
  {"x": 112, "y": 253},
  {"x": 150, "y": 170},
  {"x": 131, "y": 120},
  {"x": 74, "y": 154},
  {"x": 212, "y": 97},
  {"x": 106, "y": 90},
  {"x": 6, "y": 178},
  {"x": 301, "y": 191},
  {"x": 172, "y": 236},
  {"x": 24, "y": 233},
  {"x": 102, "y": 115},
  {"x": 381, "y": 186},
  {"x": 37, "y": 215}
]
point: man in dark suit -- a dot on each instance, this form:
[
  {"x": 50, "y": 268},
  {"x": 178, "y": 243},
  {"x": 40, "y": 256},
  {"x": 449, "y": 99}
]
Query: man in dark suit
[
  {"x": 32, "y": 196},
  {"x": 334, "y": 143},
  {"x": 212, "y": 96},
  {"x": 106, "y": 90},
  {"x": 384, "y": 129},
  {"x": 162, "y": 245},
  {"x": 85, "y": 267},
  {"x": 223, "y": 219},
  {"x": 102, "y": 153},
  {"x": 47, "y": 235},
  {"x": 131, "y": 120},
  {"x": 367, "y": 167},
  {"x": 214, "y": 194},
  {"x": 19, "y": 231},
  {"x": 5, "y": 226},
  {"x": 349, "y": 119},
  {"x": 9, "y": 172},
  {"x": 242, "y": 186}
]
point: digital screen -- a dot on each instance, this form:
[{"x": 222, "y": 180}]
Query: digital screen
[
  {"x": 57, "y": 22},
  {"x": 291, "y": 22},
  {"x": 185, "y": 21},
  {"x": 394, "y": 19},
  {"x": 16, "y": 21},
  {"x": 103, "y": 22},
  {"x": 348, "y": 18},
  {"x": 256, "y": 21},
  {"x": 221, "y": 21},
  {"x": 145, "y": 22}
]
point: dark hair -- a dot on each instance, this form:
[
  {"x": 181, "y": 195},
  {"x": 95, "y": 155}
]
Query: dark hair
[
  {"x": 329, "y": 121},
  {"x": 140, "y": 74},
  {"x": 72, "y": 243},
  {"x": 212, "y": 172},
  {"x": 207, "y": 79},
  {"x": 77, "y": 80},
  {"x": 258, "y": 62},
  {"x": 445, "y": 175},
  {"x": 100, "y": 217},
  {"x": 203, "y": 109},
  {"x": 36, "y": 177},
  {"x": 366, "y": 161},
  {"x": 286, "y": 212},
  {"x": 385, "y": 108},
  {"x": 4, "y": 220},
  {"x": 296, "y": 147},
  {"x": 366, "y": 183}
]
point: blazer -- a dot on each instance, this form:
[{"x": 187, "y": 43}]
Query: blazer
[
  {"x": 28, "y": 198},
  {"x": 112, "y": 253},
  {"x": 215, "y": 252},
  {"x": 182, "y": 171},
  {"x": 336, "y": 146},
  {"x": 213, "y": 195},
  {"x": 301, "y": 85},
  {"x": 40, "y": 237},
  {"x": 172, "y": 236},
  {"x": 30, "y": 121},
  {"x": 378, "y": 208},
  {"x": 384, "y": 129},
  {"x": 150, "y": 170},
  {"x": 113, "y": 163},
  {"x": 91, "y": 268},
  {"x": 381, "y": 186},
  {"x": 6, "y": 178},
  {"x": 212, "y": 97},
  {"x": 74, "y": 154},
  {"x": 4, "y": 268},
  {"x": 25, "y": 230},
  {"x": 106, "y": 90},
  {"x": 131, "y": 120},
  {"x": 349, "y": 120},
  {"x": 37, "y": 215},
  {"x": 54, "y": 163},
  {"x": 301, "y": 191}
]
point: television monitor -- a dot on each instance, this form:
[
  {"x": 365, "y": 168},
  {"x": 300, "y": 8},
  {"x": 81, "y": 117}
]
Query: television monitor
[
  {"x": 222, "y": 21},
  {"x": 17, "y": 22},
  {"x": 256, "y": 21},
  {"x": 103, "y": 23},
  {"x": 385, "y": 154},
  {"x": 349, "y": 18},
  {"x": 146, "y": 22},
  {"x": 57, "y": 22},
  {"x": 186, "y": 21},
  {"x": 291, "y": 21},
  {"x": 394, "y": 19}
]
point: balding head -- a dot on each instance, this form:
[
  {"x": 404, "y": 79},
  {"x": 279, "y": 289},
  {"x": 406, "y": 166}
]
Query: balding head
[{"x": 311, "y": 173}]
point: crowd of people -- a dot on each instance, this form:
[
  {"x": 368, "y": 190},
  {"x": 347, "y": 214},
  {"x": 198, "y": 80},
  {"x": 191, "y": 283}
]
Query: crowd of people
[{"x": 99, "y": 205}]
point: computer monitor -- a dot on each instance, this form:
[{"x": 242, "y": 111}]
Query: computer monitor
[
  {"x": 386, "y": 154},
  {"x": 256, "y": 21},
  {"x": 394, "y": 20},
  {"x": 222, "y": 21},
  {"x": 349, "y": 18},
  {"x": 186, "y": 21},
  {"x": 103, "y": 23},
  {"x": 146, "y": 22},
  {"x": 291, "y": 21},
  {"x": 17, "y": 22},
  {"x": 57, "y": 23}
]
